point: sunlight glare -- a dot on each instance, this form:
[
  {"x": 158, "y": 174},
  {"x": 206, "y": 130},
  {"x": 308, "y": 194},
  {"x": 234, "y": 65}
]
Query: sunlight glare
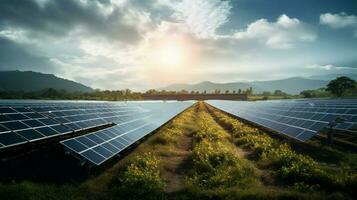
[{"x": 170, "y": 55}]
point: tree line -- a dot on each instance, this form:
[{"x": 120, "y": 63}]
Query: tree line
[{"x": 339, "y": 87}]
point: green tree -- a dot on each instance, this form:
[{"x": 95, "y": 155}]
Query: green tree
[
  {"x": 307, "y": 93},
  {"x": 279, "y": 93},
  {"x": 340, "y": 85},
  {"x": 249, "y": 91},
  {"x": 127, "y": 92}
]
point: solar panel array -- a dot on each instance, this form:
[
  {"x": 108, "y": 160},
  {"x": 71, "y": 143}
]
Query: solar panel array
[
  {"x": 299, "y": 119},
  {"x": 102, "y": 145},
  {"x": 23, "y": 122}
]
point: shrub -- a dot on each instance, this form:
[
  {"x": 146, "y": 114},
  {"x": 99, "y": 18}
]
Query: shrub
[
  {"x": 279, "y": 156},
  {"x": 208, "y": 155},
  {"x": 210, "y": 134},
  {"x": 258, "y": 143},
  {"x": 217, "y": 166},
  {"x": 297, "y": 168},
  {"x": 141, "y": 179},
  {"x": 169, "y": 137}
]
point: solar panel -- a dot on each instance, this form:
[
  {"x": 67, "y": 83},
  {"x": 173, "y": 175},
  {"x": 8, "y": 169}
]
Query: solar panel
[
  {"x": 299, "y": 119},
  {"x": 27, "y": 121},
  {"x": 102, "y": 145}
]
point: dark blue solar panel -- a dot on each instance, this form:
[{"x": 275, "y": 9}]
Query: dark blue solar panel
[
  {"x": 93, "y": 156},
  {"x": 300, "y": 119},
  {"x": 75, "y": 145},
  {"x": 33, "y": 123},
  {"x": 9, "y": 139},
  {"x": 34, "y": 115},
  {"x": 104, "y": 144},
  {"x": 103, "y": 151},
  {"x": 48, "y": 121},
  {"x": 61, "y": 129},
  {"x": 47, "y": 131},
  {"x": 86, "y": 141},
  {"x": 16, "y": 116},
  {"x": 15, "y": 125},
  {"x": 111, "y": 148},
  {"x": 21, "y": 109},
  {"x": 30, "y": 134},
  {"x": 35, "y": 120}
]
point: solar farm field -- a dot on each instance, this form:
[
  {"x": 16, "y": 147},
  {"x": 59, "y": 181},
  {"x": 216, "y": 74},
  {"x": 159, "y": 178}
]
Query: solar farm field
[{"x": 283, "y": 149}]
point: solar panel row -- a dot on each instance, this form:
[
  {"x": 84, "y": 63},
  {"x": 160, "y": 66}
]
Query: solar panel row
[
  {"x": 299, "y": 119},
  {"x": 28, "y": 121},
  {"x": 104, "y": 144}
]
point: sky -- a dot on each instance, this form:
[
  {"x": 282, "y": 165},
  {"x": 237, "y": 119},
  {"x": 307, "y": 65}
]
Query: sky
[{"x": 142, "y": 44}]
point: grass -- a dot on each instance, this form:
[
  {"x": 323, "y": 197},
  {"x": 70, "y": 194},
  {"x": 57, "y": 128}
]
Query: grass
[
  {"x": 140, "y": 179},
  {"x": 297, "y": 170},
  {"x": 216, "y": 164},
  {"x": 205, "y": 154}
]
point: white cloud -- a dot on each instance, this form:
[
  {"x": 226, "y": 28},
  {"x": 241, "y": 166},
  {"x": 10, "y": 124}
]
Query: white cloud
[
  {"x": 117, "y": 45},
  {"x": 17, "y": 35},
  {"x": 203, "y": 17},
  {"x": 109, "y": 77},
  {"x": 282, "y": 34},
  {"x": 328, "y": 67},
  {"x": 339, "y": 20}
]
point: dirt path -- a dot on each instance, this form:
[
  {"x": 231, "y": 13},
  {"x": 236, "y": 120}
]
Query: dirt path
[
  {"x": 175, "y": 158},
  {"x": 176, "y": 166},
  {"x": 264, "y": 174}
]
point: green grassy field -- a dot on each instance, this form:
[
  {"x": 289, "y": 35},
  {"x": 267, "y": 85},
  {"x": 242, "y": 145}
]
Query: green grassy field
[{"x": 205, "y": 154}]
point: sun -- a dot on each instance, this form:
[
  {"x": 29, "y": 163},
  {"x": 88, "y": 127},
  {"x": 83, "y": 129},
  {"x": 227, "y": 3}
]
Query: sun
[
  {"x": 169, "y": 59},
  {"x": 170, "y": 55}
]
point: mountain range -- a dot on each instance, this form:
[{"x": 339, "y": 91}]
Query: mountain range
[
  {"x": 292, "y": 85},
  {"x": 29, "y": 81}
]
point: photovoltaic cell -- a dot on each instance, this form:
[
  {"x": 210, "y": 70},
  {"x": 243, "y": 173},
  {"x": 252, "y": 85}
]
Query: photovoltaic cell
[
  {"x": 30, "y": 134},
  {"x": 10, "y": 139}
]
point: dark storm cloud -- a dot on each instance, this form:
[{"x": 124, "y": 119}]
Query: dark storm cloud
[
  {"x": 15, "y": 57},
  {"x": 58, "y": 17}
]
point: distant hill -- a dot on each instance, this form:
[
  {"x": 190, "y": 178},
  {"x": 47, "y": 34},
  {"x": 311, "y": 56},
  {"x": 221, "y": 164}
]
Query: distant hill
[
  {"x": 290, "y": 85},
  {"x": 328, "y": 77},
  {"x": 208, "y": 86},
  {"x": 29, "y": 81}
]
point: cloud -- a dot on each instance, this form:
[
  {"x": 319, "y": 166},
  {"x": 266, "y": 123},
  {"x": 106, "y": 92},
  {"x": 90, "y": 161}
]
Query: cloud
[
  {"x": 59, "y": 17},
  {"x": 202, "y": 17},
  {"x": 282, "y": 34},
  {"x": 329, "y": 67},
  {"x": 113, "y": 44},
  {"x": 339, "y": 20}
]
